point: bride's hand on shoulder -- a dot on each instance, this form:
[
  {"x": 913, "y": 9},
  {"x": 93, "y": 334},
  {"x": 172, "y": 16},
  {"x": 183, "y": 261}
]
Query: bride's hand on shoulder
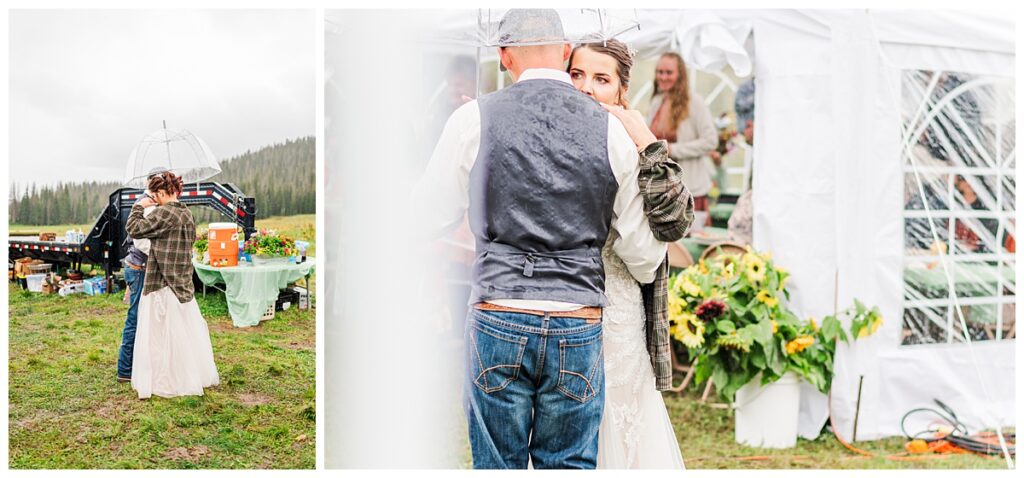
[{"x": 635, "y": 125}]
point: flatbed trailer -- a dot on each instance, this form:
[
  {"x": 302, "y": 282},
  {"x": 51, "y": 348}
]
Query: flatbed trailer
[{"x": 106, "y": 243}]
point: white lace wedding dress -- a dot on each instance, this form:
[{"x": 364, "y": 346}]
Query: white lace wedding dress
[
  {"x": 635, "y": 429},
  {"x": 173, "y": 355}
]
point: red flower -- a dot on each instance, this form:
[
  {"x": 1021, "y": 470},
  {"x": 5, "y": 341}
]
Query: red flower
[{"x": 710, "y": 310}]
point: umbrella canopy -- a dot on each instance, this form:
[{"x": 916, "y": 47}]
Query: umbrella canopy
[
  {"x": 175, "y": 150},
  {"x": 483, "y": 28}
]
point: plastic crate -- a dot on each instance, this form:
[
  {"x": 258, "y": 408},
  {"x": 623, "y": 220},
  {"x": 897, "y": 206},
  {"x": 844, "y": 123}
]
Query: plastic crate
[
  {"x": 95, "y": 285},
  {"x": 35, "y": 282}
]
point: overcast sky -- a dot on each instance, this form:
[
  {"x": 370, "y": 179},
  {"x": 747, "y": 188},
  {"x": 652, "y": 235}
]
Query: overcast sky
[{"x": 87, "y": 85}]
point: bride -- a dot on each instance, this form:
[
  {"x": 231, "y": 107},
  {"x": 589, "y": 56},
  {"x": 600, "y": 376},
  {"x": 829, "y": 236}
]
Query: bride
[
  {"x": 635, "y": 429},
  {"x": 173, "y": 355}
]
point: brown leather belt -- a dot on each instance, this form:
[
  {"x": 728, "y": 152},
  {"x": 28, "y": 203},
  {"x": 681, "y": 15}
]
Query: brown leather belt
[
  {"x": 133, "y": 266},
  {"x": 591, "y": 314}
]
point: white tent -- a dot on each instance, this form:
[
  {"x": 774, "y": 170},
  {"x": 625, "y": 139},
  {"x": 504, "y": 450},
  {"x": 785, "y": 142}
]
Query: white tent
[{"x": 840, "y": 96}]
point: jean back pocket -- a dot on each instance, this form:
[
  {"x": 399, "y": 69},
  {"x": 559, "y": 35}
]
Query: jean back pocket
[
  {"x": 495, "y": 357},
  {"x": 581, "y": 367}
]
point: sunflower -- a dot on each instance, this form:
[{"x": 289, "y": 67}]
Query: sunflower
[
  {"x": 733, "y": 341},
  {"x": 871, "y": 329},
  {"x": 689, "y": 287},
  {"x": 702, "y": 267},
  {"x": 728, "y": 271},
  {"x": 675, "y": 307},
  {"x": 799, "y": 344},
  {"x": 755, "y": 267},
  {"x": 775, "y": 326},
  {"x": 689, "y": 330},
  {"x": 767, "y": 298}
]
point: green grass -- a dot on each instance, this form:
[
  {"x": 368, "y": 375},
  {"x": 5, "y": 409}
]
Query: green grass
[
  {"x": 67, "y": 411},
  {"x": 707, "y": 440}
]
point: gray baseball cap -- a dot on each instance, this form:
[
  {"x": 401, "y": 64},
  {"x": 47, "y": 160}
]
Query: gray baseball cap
[{"x": 530, "y": 26}]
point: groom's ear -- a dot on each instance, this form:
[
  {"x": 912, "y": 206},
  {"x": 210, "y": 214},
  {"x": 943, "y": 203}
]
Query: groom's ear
[
  {"x": 566, "y": 52},
  {"x": 504, "y": 59}
]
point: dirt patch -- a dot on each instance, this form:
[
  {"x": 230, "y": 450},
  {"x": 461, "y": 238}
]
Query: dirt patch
[
  {"x": 114, "y": 407},
  {"x": 253, "y": 399},
  {"x": 192, "y": 453},
  {"x": 298, "y": 345}
]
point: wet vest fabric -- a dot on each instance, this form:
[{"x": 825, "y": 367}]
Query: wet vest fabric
[{"x": 541, "y": 195}]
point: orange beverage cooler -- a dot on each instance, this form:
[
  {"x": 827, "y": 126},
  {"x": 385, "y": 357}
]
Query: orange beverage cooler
[{"x": 223, "y": 246}]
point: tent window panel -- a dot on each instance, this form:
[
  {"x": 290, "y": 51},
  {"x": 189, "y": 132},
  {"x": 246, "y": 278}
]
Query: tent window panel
[
  {"x": 959, "y": 202},
  {"x": 975, "y": 193},
  {"x": 924, "y": 281},
  {"x": 977, "y": 279},
  {"x": 974, "y": 235},
  {"x": 936, "y": 187},
  {"x": 925, "y": 325},
  {"x": 918, "y": 239},
  {"x": 982, "y": 322},
  {"x": 1009, "y": 192},
  {"x": 1008, "y": 237}
]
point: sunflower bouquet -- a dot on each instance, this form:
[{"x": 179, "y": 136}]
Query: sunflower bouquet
[
  {"x": 729, "y": 312},
  {"x": 268, "y": 243}
]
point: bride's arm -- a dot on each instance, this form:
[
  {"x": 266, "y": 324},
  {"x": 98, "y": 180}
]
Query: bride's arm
[{"x": 668, "y": 204}]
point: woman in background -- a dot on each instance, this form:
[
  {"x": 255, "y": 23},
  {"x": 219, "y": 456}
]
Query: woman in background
[{"x": 684, "y": 120}]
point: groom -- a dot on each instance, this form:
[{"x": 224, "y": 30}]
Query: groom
[{"x": 545, "y": 173}]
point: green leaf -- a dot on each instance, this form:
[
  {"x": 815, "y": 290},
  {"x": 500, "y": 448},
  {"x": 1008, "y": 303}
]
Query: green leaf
[
  {"x": 776, "y": 358},
  {"x": 725, "y": 326},
  {"x": 831, "y": 328},
  {"x": 720, "y": 377},
  {"x": 702, "y": 370},
  {"x": 762, "y": 332},
  {"x": 758, "y": 360}
]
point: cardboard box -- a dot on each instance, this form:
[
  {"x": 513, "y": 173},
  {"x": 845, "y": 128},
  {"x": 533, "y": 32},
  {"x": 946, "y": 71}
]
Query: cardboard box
[{"x": 21, "y": 266}]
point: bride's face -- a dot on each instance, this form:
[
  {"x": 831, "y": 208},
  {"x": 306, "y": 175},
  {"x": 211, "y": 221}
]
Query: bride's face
[{"x": 595, "y": 74}]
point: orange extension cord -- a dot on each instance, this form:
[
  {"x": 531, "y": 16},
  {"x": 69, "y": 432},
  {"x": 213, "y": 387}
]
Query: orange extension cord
[{"x": 940, "y": 448}]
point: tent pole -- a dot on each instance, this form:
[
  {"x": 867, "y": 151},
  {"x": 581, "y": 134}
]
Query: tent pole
[{"x": 856, "y": 413}]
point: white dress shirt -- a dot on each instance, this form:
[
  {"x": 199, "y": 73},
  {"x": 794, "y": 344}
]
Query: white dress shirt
[{"x": 441, "y": 197}]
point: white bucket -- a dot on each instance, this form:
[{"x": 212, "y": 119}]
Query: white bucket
[{"x": 767, "y": 416}]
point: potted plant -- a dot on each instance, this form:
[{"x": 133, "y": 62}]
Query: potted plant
[
  {"x": 729, "y": 312},
  {"x": 268, "y": 247}
]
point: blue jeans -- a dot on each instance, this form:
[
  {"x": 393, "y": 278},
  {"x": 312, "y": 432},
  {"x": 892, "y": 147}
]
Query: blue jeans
[
  {"x": 534, "y": 390},
  {"x": 134, "y": 279}
]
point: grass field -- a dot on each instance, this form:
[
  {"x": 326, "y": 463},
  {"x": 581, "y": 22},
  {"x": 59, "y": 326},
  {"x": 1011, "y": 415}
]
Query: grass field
[
  {"x": 707, "y": 441},
  {"x": 67, "y": 410}
]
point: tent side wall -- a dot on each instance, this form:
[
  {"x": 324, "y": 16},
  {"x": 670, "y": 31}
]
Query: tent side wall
[{"x": 828, "y": 182}]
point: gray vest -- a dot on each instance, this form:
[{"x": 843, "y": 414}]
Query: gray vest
[{"x": 541, "y": 194}]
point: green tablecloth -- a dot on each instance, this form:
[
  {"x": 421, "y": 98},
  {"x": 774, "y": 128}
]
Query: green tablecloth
[{"x": 251, "y": 290}]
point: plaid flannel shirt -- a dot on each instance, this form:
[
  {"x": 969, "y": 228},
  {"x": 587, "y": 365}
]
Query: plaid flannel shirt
[
  {"x": 668, "y": 205},
  {"x": 172, "y": 230}
]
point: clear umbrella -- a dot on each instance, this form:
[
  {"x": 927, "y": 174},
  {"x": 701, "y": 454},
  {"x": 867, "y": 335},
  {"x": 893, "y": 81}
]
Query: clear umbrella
[
  {"x": 175, "y": 150},
  {"x": 483, "y": 28}
]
